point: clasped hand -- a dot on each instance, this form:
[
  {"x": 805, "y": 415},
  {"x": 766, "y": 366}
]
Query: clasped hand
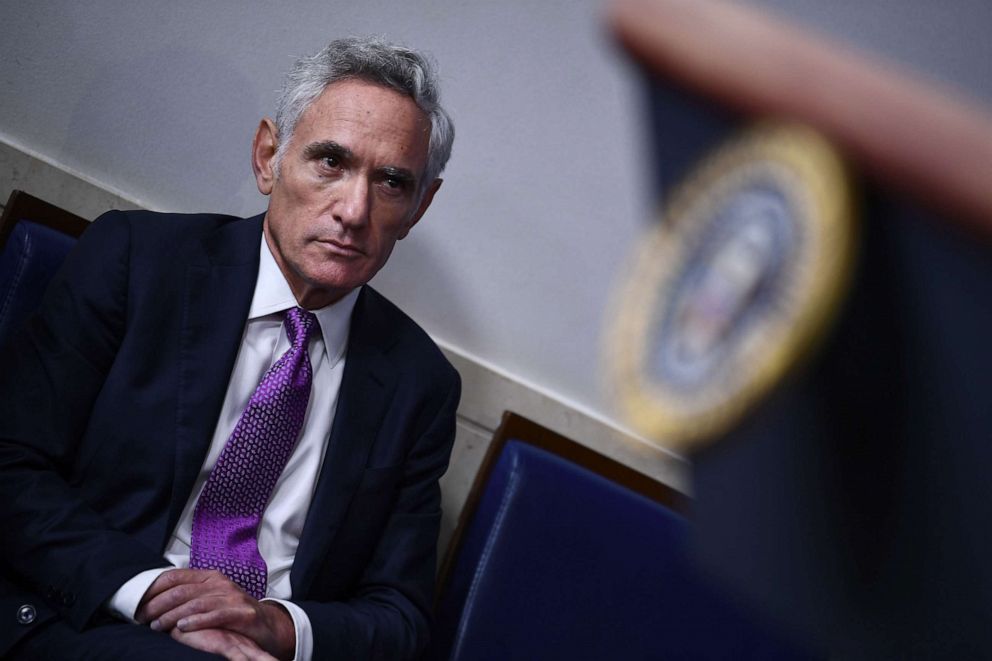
[{"x": 206, "y": 610}]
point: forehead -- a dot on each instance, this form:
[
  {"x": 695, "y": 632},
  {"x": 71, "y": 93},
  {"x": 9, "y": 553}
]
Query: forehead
[{"x": 371, "y": 120}]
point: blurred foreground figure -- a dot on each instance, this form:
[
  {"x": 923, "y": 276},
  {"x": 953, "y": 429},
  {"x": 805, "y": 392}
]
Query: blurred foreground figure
[{"x": 813, "y": 326}]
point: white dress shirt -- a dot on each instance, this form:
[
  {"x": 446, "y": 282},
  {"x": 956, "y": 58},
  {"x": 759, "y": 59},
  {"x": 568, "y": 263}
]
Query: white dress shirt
[{"x": 263, "y": 342}]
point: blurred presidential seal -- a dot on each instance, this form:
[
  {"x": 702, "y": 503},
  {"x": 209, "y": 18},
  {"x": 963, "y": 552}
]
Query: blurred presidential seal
[{"x": 734, "y": 285}]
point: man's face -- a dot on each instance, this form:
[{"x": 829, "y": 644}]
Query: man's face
[{"x": 347, "y": 187}]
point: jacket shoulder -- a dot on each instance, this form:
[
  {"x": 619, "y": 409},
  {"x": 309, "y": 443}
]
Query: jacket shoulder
[
  {"x": 402, "y": 336},
  {"x": 166, "y": 239},
  {"x": 153, "y": 224}
]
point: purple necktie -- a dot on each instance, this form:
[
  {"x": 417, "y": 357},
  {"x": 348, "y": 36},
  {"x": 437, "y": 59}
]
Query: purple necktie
[{"x": 229, "y": 510}]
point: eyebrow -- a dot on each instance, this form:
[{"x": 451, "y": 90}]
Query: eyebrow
[{"x": 326, "y": 148}]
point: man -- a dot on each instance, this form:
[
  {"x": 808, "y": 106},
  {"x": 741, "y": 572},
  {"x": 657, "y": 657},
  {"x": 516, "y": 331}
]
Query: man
[{"x": 225, "y": 394}]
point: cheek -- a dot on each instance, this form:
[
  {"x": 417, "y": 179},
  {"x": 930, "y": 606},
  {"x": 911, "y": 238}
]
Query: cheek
[
  {"x": 384, "y": 250},
  {"x": 299, "y": 226},
  {"x": 297, "y": 195}
]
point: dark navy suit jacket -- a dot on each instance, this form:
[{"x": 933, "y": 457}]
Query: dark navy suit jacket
[{"x": 108, "y": 401}]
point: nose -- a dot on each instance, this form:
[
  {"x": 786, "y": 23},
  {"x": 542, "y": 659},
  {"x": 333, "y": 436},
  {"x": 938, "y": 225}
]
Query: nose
[{"x": 351, "y": 208}]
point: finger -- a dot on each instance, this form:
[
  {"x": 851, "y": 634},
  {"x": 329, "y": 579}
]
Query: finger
[
  {"x": 169, "y": 580},
  {"x": 214, "y": 641},
  {"x": 173, "y": 577},
  {"x": 161, "y": 583},
  {"x": 230, "y": 608},
  {"x": 267, "y": 625},
  {"x": 177, "y": 597},
  {"x": 167, "y": 620},
  {"x": 254, "y": 654},
  {"x": 228, "y": 644},
  {"x": 242, "y": 618},
  {"x": 182, "y": 594}
]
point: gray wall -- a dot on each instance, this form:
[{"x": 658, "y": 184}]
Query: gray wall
[
  {"x": 547, "y": 190},
  {"x": 542, "y": 200},
  {"x": 948, "y": 41}
]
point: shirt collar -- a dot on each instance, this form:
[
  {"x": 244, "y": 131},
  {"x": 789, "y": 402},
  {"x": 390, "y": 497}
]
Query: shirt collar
[{"x": 272, "y": 295}]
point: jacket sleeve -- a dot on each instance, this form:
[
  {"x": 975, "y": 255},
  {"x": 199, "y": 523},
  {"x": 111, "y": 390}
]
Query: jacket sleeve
[
  {"x": 57, "y": 550},
  {"x": 388, "y": 616}
]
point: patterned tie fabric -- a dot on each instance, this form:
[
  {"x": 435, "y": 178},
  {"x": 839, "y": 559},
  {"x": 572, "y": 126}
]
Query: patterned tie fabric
[{"x": 229, "y": 510}]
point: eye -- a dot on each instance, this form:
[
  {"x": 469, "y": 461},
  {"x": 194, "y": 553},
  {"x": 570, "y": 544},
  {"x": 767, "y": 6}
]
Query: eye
[
  {"x": 332, "y": 162},
  {"x": 395, "y": 183}
]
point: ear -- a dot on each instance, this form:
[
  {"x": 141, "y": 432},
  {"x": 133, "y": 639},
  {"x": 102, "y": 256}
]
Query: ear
[
  {"x": 263, "y": 153},
  {"x": 425, "y": 202}
]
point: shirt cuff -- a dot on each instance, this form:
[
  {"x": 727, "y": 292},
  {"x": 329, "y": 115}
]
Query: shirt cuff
[
  {"x": 302, "y": 628},
  {"x": 124, "y": 602}
]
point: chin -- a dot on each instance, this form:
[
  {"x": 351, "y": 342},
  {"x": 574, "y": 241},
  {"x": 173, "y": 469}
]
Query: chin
[{"x": 336, "y": 284}]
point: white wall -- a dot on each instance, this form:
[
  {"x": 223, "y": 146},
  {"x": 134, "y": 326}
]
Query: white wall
[
  {"x": 541, "y": 202},
  {"x": 548, "y": 187}
]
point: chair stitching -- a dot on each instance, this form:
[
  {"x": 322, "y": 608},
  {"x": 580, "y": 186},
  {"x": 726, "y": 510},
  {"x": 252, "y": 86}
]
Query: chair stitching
[
  {"x": 18, "y": 275},
  {"x": 486, "y": 553}
]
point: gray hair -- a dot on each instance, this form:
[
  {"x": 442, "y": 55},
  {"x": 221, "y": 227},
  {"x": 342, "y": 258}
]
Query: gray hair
[{"x": 376, "y": 61}]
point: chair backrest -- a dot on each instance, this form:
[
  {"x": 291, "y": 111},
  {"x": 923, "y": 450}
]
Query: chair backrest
[
  {"x": 35, "y": 238},
  {"x": 555, "y": 561}
]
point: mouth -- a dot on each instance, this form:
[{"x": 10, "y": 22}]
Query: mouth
[{"x": 341, "y": 248}]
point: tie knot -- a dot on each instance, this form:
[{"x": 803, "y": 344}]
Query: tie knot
[{"x": 299, "y": 326}]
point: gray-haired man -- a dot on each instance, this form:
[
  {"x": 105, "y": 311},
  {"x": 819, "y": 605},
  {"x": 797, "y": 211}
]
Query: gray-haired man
[{"x": 148, "y": 422}]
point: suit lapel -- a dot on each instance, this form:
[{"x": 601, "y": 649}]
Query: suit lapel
[
  {"x": 367, "y": 388},
  {"x": 218, "y": 288},
  {"x": 219, "y": 284}
]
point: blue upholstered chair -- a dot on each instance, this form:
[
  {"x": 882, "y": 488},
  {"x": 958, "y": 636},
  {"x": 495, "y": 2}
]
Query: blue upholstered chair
[
  {"x": 554, "y": 561},
  {"x": 35, "y": 237}
]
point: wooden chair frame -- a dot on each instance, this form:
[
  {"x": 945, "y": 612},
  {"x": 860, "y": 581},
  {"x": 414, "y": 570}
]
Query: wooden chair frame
[
  {"x": 21, "y": 205},
  {"x": 518, "y": 428}
]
